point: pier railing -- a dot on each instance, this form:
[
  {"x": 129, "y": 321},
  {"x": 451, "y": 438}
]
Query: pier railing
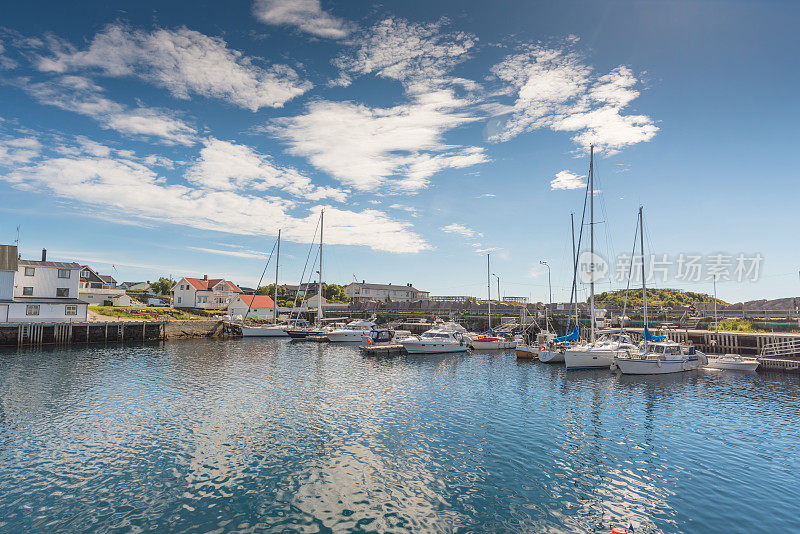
[{"x": 781, "y": 349}]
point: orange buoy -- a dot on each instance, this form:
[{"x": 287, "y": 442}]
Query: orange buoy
[{"x": 618, "y": 530}]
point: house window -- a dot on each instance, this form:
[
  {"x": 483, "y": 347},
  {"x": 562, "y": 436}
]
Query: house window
[
  {"x": 85, "y": 274},
  {"x": 32, "y": 309},
  {"x": 63, "y": 273},
  {"x": 27, "y": 291},
  {"x": 30, "y": 271},
  {"x": 62, "y": 292},
  {"x": 179, "y": 300},
  {"x": 71, "y": 309}
]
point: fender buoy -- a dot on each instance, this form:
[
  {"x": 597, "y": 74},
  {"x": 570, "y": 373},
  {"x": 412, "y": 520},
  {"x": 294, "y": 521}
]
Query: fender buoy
[
  {"x": 658, "y": 363},
  {"x": 618, "y": 530}
]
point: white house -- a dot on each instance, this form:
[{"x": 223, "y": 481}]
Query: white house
[
  {"x": 384, "y": 292},
  {"x": 204, "y": 293},
  {"x": 260, "y": 306},
  {"x": 38, "y": 291},
  {"x": 104, "y": 297}
]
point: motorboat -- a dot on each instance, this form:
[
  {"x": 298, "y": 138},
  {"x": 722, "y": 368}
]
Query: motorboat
[
  {"x": 492, "y": 343},
  {"x": 599, "y": 354},
  {"x": 732, "y": 362},
  {"x": 444, "y": 338},
  {"x": 267, "y": 330},
  {"x": 351, "y": 332},
  {"x": 377, "y": 336},
  {"x": 661, "y": 357}
]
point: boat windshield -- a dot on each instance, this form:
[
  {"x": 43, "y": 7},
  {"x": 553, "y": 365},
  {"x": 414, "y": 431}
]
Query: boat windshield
[{"x": 437, "y": 335}]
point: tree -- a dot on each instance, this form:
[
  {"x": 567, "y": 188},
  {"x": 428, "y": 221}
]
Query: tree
[
  {"x": 334, "y": 293},
  {"x": 162, "y": 286}
]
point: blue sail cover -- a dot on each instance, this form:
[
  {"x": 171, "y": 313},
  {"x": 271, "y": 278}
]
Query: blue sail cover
[
  {"x": 569, "y": 337},
  {"x": 650, "y": 337}
]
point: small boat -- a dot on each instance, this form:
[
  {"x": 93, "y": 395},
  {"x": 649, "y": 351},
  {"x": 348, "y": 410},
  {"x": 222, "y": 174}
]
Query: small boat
[
  {"x": 377, "y": 336},
  {"x": 351, "y": 332},
  {"x": 599, "y": 354},
  {"x": 265, "y": 331},
  {"x": 444, "y": 338},
  {"x": 492, "y": 343},
  {"x": 732, "y": 362},
  {"x": 665, "y": 357}
]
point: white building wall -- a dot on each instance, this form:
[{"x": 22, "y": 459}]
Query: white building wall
[
  {"x": 184, "y": 298},
  {"x": 17, "y": 313},
  {"x": 45, "y": 281}
]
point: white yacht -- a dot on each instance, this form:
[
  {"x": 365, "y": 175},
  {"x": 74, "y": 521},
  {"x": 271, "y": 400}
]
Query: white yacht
[
  {"x": 351, "y": 332},
  {"x": 599, "y": 354},
  {"x": 662, "y": 357},
  {"x": 448, "y": 337},
  {"x": 732, "y": 362}
]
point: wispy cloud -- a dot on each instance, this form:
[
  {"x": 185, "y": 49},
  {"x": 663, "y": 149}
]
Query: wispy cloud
[
  {"x": 366, "y": 148},
  {"x": 305, "y": 15},
  {"x": 553, "y": 88},
  {"x": 462, "y": 230},
  {"x": 235, "y": 253},
  {"x": 183, "y": 61},
  {"x": 81, "y": 95},
  {"x": 114, "y": 182}
]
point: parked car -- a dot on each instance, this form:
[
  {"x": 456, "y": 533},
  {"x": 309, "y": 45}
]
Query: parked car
[{"x": 156, "y": 302}]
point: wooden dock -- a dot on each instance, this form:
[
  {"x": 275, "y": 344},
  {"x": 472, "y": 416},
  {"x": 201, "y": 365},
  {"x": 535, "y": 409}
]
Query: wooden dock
[
  {"x": 383, "y": 349},
  {"x": 70, "y": 333}
]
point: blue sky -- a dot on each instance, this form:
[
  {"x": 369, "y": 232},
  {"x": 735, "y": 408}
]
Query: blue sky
[{"x": 177, "y": 139}]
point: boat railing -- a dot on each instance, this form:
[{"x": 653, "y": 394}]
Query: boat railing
[{"x": 781, "y": 349}]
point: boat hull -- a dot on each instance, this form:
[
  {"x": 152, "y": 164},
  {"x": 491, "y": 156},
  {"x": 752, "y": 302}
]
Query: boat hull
[
  {"x": 302, "y": 334},
  {"x": 493, "y": 345},
  {"x": 263, "y": 331},
  {"x": 525, "y": 352},
  {"x": 551, "y": 356},
  {"x": 656, "y": 366},
  {"x": 588, "y": 359},
  {"x": 732, "y": 365},
  {"x": 417, "y": 347},
  {"x": 350, "y": 336}
]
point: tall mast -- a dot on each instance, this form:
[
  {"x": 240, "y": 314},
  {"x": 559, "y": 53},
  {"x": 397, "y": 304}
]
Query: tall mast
[
  {"x": 644, "y": 286},
  {"x": 277, "y": 260},
  {"x": 574, "y": 290},
  {"x": 591, "y": 239},
  {"x": 489, "y": 290},
  {"x": 319, "y": 288}
]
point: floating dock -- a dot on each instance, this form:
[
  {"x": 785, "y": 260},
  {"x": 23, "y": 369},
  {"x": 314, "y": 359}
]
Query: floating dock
[{"x": 383, "y": 349}]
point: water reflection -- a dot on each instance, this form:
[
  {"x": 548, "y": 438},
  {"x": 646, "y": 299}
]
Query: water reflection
[{"x": 269, "y": 435}]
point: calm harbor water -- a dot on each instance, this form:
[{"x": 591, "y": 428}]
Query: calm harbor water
[{"x": 270, "y": 436}]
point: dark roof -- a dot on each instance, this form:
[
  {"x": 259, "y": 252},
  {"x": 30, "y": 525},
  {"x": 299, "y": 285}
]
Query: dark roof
[
  {"x": 48, "y": 300},
  {"x": 107, "y": 278},
  {"x": 391, "y": 287},
  {"x": 59, "y": 264}
]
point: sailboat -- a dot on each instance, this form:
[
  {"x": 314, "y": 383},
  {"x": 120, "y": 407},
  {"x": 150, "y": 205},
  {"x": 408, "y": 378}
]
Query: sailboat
[
  {"x": 731, "y": 362},
  {"x": 490, "y": 341},
  {"x": 316, "y": 330},
  {"x": 598, "y": 353},
  {"x": 273, "y": 330},
  {"x": 658, "y": 355}
]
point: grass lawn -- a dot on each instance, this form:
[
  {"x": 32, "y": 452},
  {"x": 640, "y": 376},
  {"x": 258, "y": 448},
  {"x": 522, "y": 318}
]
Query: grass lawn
[{"x": 143, "y": 313}]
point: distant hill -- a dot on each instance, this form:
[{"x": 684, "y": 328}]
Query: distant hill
[
  {"x": 788, "y": 304},
  {"x": 655, "y": 297}
]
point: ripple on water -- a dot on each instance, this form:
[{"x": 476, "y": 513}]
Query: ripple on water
[{"x": 271, "y": 436}]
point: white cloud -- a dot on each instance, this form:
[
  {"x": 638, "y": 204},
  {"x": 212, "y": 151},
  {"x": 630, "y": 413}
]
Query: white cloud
[
  {"x": 367, "y": 148},
  {"x": 419, "y": 55},
  {"x": 486, "y": 195},
  {"x": 18, "y": 151},
  {"x": 5, "y": 61},
  {"x": 112, "y": 183},
  {"x": 234, "y": 253},
  {"x": 184, "y": 62},
  {"x": 305, "y": 15},
  {"x": 80, "y": 95},
  {"x": 462, "y": 230},
  {"x": 554, "y": 89},
  {"x": 567, "y": 180},
  {"x": 227, "y": 166},
  {"x": 409, "y": 209}
]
